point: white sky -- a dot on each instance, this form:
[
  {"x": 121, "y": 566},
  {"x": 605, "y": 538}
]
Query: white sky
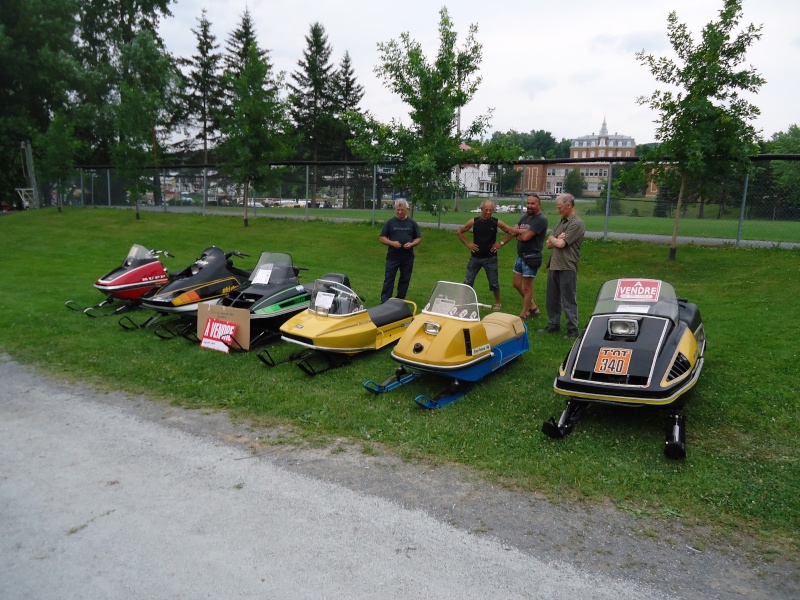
[{"x": 561, "y": 67}]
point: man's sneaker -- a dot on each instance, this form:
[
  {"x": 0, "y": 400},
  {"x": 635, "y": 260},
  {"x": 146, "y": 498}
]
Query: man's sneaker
[
  {"x": 571, "y": 335},
  {"x": 550, "y": 329}
]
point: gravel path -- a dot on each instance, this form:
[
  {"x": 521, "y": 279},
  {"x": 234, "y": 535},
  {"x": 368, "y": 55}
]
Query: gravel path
[{"x": 105, "y": 495}]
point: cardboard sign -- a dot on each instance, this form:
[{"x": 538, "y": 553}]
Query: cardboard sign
[
  {"x": 239, "y": 335},
  {"x": 637, "y": 290}
]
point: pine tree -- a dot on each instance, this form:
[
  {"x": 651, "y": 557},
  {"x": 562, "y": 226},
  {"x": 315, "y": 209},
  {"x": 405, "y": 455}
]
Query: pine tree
[
  {"x": 311, "y": 96},
  {"x": 204, "y": 96}
]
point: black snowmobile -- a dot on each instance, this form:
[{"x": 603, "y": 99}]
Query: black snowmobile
[{"x": 208, "y": 278}]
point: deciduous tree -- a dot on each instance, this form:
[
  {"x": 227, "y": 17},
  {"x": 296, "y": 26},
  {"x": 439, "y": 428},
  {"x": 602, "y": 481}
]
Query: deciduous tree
[
  {"x": 704, "y": 127},
  {"x": 428, "y": 149}
]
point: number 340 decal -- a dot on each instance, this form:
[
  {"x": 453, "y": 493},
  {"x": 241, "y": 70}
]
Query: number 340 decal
[{"x": 613, "y": 361}]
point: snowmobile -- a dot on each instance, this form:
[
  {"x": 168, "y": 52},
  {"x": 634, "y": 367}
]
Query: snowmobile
[
  {"x": 336, "y": 326},
  {"x": 140, "y": 273},
  {"x": 208, "y": 278},
  {"x": 643, "y": 347},
  {"x": 450, "y": 339},
  {"x": 272, "y": 294}
]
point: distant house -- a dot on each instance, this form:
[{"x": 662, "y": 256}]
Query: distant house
[{"x": 474, "y": 179}]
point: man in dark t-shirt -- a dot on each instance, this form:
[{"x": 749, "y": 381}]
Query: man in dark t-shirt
[
  {"x": 401, "y": 234},
  {"x": 530, "y": 233},
  {"x": 484, "y": 248}
]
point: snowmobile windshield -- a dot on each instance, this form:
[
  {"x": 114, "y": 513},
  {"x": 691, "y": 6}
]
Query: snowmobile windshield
[
  {"x": 274, "y": 267},
  {"x": 453, "y": 300},
  {"x": 638, "y": 296},
  {"x": 331, "y": 298},
  {"x": 137, "y": 254}
]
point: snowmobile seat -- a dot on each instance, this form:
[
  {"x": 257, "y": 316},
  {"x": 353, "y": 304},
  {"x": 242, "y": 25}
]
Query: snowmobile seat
[
  {"x": 390, "y": 311},
  {"x": 501, "y": 327}
]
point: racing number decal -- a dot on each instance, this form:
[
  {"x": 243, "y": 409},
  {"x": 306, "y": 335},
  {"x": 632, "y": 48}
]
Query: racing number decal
[{"x": 613, "y": 361}]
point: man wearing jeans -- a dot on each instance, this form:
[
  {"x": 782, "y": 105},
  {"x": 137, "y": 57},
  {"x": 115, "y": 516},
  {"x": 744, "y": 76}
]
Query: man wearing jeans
[
  {"x": 401, "y": 234},
  {"x": 562, "y": 276}
]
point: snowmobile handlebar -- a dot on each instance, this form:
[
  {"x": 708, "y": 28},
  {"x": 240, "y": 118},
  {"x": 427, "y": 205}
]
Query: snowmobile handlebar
[
  {"x": 162, "y": 253},
  {"x": 236, "y": 253}
]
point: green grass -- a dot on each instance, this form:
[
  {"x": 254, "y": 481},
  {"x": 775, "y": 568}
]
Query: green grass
[
  {"x": 691, "y": 226},
  {"x": 741, "y": 473}
]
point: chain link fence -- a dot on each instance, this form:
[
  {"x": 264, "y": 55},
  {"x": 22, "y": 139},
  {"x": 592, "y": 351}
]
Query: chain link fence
[{"x": 761, "y": 210}]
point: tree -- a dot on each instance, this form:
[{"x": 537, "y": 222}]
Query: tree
[
  {"x": 311, "y": 96},
  {"x": 311, "y": 100},
  {"x": 574, "y": 182},
  {"x": 255, "y": 127},
  {"x": 58, "y": 148},
  {"x": 106, "y": 30},
  {"x": 347, "y": 95},
  {"x": 143, "y": 111},
  {"x": 203, "y": 99},
  {"x": 37, "y": 71},
  {"x": 204, "y": 95},
  {"x": 704, "y": 127},
  {"x": 787, "y": 173},
  {"x": 239, "y": 43},
  {"x": 425, "y": 152}
]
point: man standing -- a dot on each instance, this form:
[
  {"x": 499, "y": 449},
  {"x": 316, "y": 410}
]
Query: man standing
[
  {"x": 484, "y": 248},
  {"x": 530, "y": 232},
  {"x": 400, "y": 233},
  {"x": 562, "y": 277}
]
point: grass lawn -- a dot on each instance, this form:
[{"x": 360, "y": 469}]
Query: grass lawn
[
  {"x": 741, "y": 475},
  {"x": 690, "y": 225}
]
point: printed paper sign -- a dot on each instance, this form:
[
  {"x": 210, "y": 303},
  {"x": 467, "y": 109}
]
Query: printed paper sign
[
  {"x": 263, "y": 275},
  {"x": 218, "y": 335},
  {"x": 637, "y": 290},
  {"x": 324, "y": 300}
]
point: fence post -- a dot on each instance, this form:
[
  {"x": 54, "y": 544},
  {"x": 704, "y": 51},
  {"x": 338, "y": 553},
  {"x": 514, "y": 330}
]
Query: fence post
[
  {"x": 374, "y": 190},
  {"x": 108, "y": 183},
  {"x": 741, "y": 214},
  {"x": 306, "y": 191}
]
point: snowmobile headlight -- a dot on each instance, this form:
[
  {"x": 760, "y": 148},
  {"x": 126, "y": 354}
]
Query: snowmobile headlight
[
  {"x": 628, "y": 328},
  {"x": 432, "y": 328}
]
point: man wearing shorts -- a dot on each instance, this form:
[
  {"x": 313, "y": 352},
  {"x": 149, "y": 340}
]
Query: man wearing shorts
[{"x": 530, "y": 233}]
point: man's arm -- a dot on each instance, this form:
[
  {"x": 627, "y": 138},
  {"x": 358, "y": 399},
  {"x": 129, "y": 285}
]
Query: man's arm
[{"x": 462, "y": 230}]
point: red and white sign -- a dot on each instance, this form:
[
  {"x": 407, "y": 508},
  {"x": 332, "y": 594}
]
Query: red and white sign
[
  {"x": 218, "y": 335},
  {"x": 637, "y": 290}
]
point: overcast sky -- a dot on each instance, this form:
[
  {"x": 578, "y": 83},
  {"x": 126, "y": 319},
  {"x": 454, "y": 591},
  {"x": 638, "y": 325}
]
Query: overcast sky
[{"x": 558, "y": 66}]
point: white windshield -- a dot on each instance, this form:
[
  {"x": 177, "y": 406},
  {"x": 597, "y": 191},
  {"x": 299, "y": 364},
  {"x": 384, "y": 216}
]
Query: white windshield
[
  {"x": 454, "y": 300},
  {"x": 331, "y": 298}
]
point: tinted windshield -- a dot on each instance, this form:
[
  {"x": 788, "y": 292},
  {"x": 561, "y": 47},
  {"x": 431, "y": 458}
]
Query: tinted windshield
[
  {"x": 454, "y": 300},
  {"x": 638, "y": 296},
  {"x": 330, "y": 298},
  {"x": 273, "y": 267}
]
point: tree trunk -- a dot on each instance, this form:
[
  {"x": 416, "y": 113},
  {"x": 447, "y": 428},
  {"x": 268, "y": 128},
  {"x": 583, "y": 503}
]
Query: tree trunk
[
  {"x": 673, "y": 249},
  {"x": 246, "y": 189}
]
